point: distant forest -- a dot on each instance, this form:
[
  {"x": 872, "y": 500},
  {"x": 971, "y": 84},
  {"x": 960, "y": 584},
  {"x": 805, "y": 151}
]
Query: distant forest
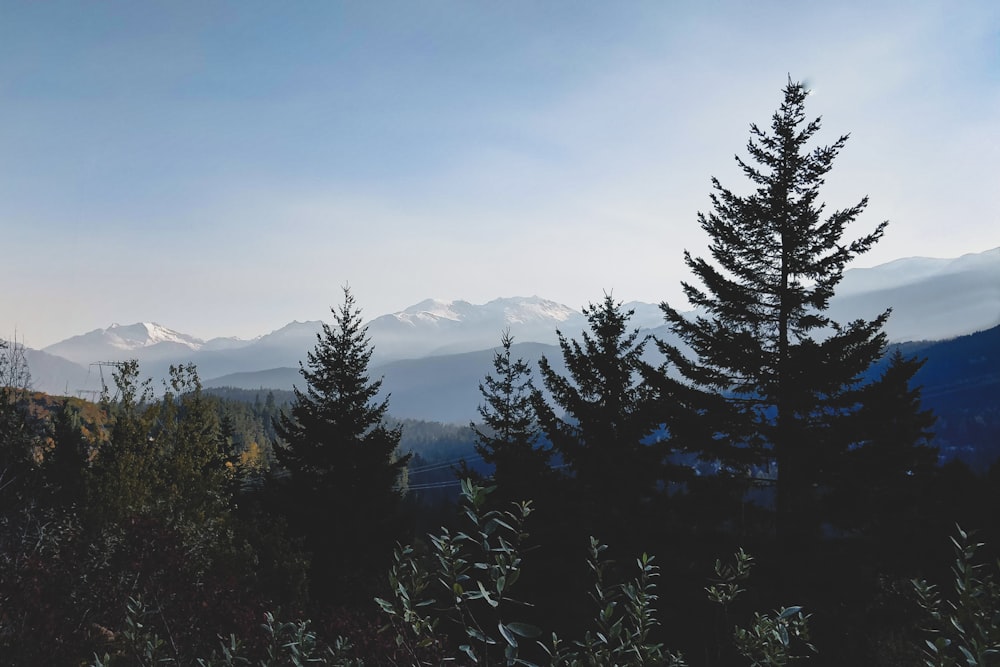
[{"x": 778, "y": 490}]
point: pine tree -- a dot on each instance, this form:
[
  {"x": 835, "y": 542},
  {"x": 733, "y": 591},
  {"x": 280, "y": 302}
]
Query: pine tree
[
  {"x": 509, "y": 435},
  {"x": 886, "y": 475},
  {"x": 342, "y": 460},
  {"x": 761, "y": 336},
  {"x": 609, "y": 417}
]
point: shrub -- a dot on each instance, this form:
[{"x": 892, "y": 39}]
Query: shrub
[{"x": 963, "y": 630}]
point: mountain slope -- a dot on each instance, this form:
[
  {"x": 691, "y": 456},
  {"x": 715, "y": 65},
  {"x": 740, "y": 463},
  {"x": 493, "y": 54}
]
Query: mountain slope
[
  {"x": 442, "y": 388},
  {"x": 60, "y": 377},
  {"x": 143, "y": 340},
  {"x": 931, "y": 299},
  {"x": 961, "y": 383}
]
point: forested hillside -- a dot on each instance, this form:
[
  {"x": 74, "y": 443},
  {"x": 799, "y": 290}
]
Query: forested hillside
[{"x": 770, "y": 489}]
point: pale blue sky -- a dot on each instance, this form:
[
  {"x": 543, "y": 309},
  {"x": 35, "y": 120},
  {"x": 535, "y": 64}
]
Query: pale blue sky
[{"x": 222, "y": 168}]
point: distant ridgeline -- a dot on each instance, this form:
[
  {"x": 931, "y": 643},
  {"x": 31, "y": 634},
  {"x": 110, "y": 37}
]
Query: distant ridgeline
[{"x": 960, "y": 382}]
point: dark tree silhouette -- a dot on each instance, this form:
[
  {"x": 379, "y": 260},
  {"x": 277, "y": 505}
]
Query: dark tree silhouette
[
  {"x": 886, "y": 477},
  {"x": 606, "y": 430},
  {"x": 343, "y": 485},
  {"x": 761, "y": 335},
  {"x": 66, "y": 464},
  {"x": 508, "y": 437}
]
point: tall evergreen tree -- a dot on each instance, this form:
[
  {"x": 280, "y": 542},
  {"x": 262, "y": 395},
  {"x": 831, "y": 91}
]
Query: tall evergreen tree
[
  {"x": 342, "y": 461},
  {"x": 762, "y": 336},
  {"x": 608, "y": 417},
  {"x": 509, "y": 435}
]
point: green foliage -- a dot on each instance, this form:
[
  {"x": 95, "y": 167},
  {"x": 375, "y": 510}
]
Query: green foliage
[
  {"x": 729, "y": 579},
  {"x": 625, "y": 618},
  {"x": 465, "y": 587},
  {"x": 153, "y": 522},
  {"x": 965, "y": 629},
  {"x": 124, "y": 477},
  {"x": 466, "y": 584},
  {"x": 162, "y": 458},
  {"x": 770, "y": 639},
  {"x": 193, "y": 458},
  {"x": 285, "y": 643},
  {"x": 138, "y": 643},
  {"x": 247, "y": 425}
]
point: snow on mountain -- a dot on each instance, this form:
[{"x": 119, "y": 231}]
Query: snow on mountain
[
  {"x": 146, "y": 334},
  {"x": 520, "y": 310},
  {"x": 511, "y": 311},
  {"x": 143, "y": 340},
  {"x": 432, "y": 310},
  {"x": 434, "y": 327},
  {"x": 931, "y": 299}
]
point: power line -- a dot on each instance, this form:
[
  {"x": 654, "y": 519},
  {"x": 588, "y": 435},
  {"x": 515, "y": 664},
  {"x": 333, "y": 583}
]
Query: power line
[
  {"x": 430, "y": 485},
  {"x": 100, "y": 366},
  {"x": 430, "y": 467}
]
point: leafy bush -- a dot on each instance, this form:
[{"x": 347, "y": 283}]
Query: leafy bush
[
  {"x": 964, "y": 630},
  {"x": 285, "y": 643},
  {"x": 465, "y": 587},
  {"x": 771, "y": 639}
]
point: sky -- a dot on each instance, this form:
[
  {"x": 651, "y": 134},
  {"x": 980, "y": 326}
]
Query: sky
[{"x": 223, "y": 168}]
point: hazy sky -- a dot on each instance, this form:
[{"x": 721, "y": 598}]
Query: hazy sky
[{"x": 223, "y": 168}]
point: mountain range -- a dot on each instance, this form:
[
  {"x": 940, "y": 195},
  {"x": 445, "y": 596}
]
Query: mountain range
[{"x": 433, "y": 354}]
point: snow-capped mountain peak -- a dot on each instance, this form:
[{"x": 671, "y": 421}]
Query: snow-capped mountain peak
[
  {"x": 123, "y": 341},
  {"x": 146, "y": 334},
  {"x": 440, "y": 327},
  {"x": 521, "y": 310},
  {"x": 512, "y": 311},
  {"x": 430, "y": 309},
  {"x": 931, "y": 299}
]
